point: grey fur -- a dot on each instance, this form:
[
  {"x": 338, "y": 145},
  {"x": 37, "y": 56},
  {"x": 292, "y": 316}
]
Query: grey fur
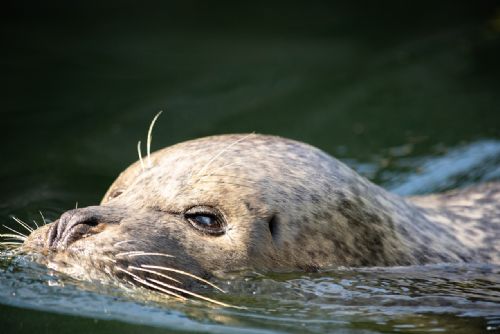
[{"x": 286, "y": 205}]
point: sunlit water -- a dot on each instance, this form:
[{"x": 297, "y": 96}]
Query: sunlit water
[{"x": 437, "y": 298}]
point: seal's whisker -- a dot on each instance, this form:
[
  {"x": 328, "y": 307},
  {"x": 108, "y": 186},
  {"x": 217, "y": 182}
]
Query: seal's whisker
[
  {"x": 10, "y": 243},
  {"x": 138, "y": 279},
  {"x": 34, "y": 222},
  {"x": 105, "y": 258},
  {"x": 221, "y": 152},
  {"x": 150, "y": 136},
  {"x": 154, "y": 286},
  {"x": 12, "y": 236},
  {"x": 16, "y": 232},
  {"x": 140, "y": 155},
  {"x": 123, "y": 242},
  {"x": 231, "y": 183},
  {"x": 221, "y": 167},
  {"x": 76, "y": 205},
  {"x": 182, "y": 273},
  {"x": 187, "y": 292},
  {"x": 140, "y": 253},
  {"x": 155, "y": 272},
  {"x": 230, "y": 176},
  {"x": 23, "y": 224},
  {"x": 43, "y": 218}
]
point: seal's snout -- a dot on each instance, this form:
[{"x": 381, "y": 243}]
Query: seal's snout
[
  {"x": 76, "y": 224},
  {"x": 71, "y": 226}
]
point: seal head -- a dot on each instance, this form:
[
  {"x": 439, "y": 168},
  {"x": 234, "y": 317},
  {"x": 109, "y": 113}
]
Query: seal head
[{"x": 243, "y": 202}]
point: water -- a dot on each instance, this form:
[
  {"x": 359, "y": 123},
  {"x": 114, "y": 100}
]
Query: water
[
  {"x": 438, "y": 298},
  {"x": 407, "y": 94}
]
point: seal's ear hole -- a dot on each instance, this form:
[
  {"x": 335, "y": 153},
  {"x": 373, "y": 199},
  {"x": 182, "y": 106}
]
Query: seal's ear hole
[{"x": 273, "y": 227}]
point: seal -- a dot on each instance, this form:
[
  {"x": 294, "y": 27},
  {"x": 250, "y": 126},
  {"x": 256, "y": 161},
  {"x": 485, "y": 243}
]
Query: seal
[{"x": 264, "y": 203}]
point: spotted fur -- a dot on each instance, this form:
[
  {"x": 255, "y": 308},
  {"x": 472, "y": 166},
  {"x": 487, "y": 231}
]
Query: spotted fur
[{"x": 286, "y": 206}]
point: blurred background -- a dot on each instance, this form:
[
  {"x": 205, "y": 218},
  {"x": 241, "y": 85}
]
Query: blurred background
[{"x": 408, "y": 94}]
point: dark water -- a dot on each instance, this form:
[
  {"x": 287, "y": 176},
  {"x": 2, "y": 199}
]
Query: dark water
[{"x": 407, "y": 94}]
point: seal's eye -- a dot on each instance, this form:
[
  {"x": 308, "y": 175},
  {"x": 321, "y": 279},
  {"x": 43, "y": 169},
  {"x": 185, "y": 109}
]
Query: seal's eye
[
  {"x": 206, "y": 219},
  {"x": 115, "y": 193}
]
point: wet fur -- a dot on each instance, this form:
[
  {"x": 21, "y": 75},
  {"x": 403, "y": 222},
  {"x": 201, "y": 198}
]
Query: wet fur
[{"x": 287, "y": 205}]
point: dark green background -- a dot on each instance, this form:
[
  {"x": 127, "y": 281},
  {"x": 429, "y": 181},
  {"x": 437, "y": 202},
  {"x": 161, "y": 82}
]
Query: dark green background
[{"x": 81, "y": 82}]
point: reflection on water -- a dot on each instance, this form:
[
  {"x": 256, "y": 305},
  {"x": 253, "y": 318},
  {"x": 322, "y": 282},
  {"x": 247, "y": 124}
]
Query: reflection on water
[
  {"x": 434, "y": 298},
  {"x": 475, "y": 162}
]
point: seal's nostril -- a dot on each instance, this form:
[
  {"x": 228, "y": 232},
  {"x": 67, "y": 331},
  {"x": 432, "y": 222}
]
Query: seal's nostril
[
  {"x": 70, "y": 227},
  {"x": 52, "y": 234}
]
